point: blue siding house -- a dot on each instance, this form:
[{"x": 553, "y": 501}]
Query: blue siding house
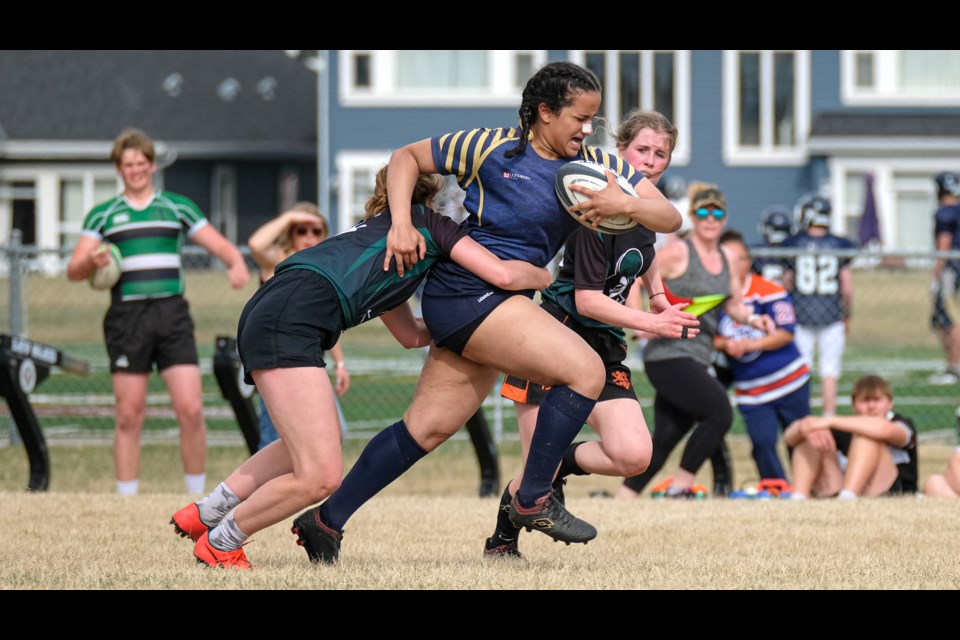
[{"x": 768, "y": 126}]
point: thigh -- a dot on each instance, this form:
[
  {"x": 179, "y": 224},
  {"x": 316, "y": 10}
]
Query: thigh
[
  {"x": 884, "y": 477},
  {"x": 832, "y": 341},
  {"x": 183, "y": 383},
  {"x": 804, "y": 339},
  {"x": 794, "y": 406},
  {"x": 130, "y": 390},
  {"x": 300, "y": 402},
  {"x": 523, "y": 340},
  {"x": 686, "y": 384},
  {"x": 129, "y": 340},
  {"x": 450, "y": 390},
  {"x": 620, "y": 424},
  {"x": 174, "y": 331}
]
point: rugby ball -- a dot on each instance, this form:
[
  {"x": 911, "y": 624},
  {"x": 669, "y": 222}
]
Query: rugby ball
[
  {"x": 592, "y": 176},
  {"x": 109, "y": 274}
]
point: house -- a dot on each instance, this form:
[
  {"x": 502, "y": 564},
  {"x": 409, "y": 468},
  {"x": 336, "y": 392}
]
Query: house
[
  {"x": 240, "y": 129},
  {"x": 236, "y": 132},
  {"x": 767, "y": 126}
]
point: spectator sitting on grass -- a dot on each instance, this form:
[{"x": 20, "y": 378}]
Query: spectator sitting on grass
[{"x": 872, "y": 453}]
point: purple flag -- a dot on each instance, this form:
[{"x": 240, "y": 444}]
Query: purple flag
[{"x": 870, "y": 221}]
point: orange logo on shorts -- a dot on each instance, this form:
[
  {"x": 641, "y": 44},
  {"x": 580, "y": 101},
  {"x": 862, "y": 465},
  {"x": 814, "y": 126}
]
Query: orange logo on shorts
[{"x": 621, "y": 379}]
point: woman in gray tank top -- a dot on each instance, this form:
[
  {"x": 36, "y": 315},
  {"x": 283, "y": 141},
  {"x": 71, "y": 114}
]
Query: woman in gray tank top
[{"x": 687, "y": 395}]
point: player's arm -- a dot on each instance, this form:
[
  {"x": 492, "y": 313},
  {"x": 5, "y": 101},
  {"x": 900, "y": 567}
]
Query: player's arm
[
  {"x": 650, "y": 208},
  {"x": 340, "y": 365},
  {"x": 512, "y": 275},
  {"x": 403, "y": 240},
  {"x": 87, "y": 257},
  {"x": 944, "y": 240},
  {"x": 409, "y": 331},
  {"x": 667, "y": 324},
  {"x": 743, "y": 314},
  {"x": 214, "y": 242},
  {"x": 846, "y": 290},
  {"x": 872, "y": 427}
]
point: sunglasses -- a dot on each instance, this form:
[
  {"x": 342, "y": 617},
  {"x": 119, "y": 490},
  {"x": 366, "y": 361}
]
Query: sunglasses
[
  {"x": 703, "y": 213},
  {"x": 317, "y": 231}
]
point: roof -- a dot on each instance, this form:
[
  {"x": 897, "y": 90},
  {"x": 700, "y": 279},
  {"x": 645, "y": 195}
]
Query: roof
[
  {"x": 198, "y": 102},
  {"x": 909, "y": 133}
]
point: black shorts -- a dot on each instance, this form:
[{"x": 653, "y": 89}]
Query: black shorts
[
  {"x": 289, "y": 322},
  {"x": 140, "y": 333},
  {"x": 619, "y": 383}
]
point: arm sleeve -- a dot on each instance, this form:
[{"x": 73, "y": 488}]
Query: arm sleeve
[
  {"x": 590, "y": 259},
  {"x": 461, "y": 154},
  {"x": 440, "y": 232}
]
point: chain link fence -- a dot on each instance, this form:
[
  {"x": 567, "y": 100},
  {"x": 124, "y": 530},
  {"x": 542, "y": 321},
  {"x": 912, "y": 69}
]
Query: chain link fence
[{"x": 890, "y": 335}]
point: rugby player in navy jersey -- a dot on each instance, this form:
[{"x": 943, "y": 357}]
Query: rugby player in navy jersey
[
  {"x": 480, "y": 330},
  {"x": 821, "y": 285}
]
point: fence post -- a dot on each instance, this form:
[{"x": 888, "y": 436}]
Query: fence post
[
  {"x": 17, "y": 316},
  {"x": 17, "y": 320}
]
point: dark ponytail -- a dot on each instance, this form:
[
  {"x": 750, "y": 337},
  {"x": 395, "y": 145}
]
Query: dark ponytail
[{"x": 554, "y": 85}]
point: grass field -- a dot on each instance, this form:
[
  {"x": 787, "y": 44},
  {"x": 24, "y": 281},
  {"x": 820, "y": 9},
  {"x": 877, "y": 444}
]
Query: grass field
[{"x": 427, "y": 532}]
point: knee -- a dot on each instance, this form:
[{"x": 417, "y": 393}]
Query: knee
[
  {"x": 130, "y": 419},
  {"x": 588, "y": 376},
  {"x": 190, "y": 413},
  {"x": 631, "y": 461},
  {"x": 319, "y": 486}
]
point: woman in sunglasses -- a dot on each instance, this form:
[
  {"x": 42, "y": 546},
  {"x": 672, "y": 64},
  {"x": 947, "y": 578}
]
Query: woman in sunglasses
[
  {"x": 299, "y": 228},
  {"x": 687, "y": 394}
]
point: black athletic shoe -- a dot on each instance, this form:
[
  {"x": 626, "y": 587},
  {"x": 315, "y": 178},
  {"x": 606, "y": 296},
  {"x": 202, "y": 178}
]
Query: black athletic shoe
[
  {"x": 557, "y": 487},
  {"x": 497, "y": 548},
  {"x": 552, "y": 518},
  {"x": 320, "y": 541}
]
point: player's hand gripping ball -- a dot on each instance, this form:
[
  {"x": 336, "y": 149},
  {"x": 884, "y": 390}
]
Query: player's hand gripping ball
[
  {"x": 109, "y": 274},
  {"x": 592, "y": 176}
]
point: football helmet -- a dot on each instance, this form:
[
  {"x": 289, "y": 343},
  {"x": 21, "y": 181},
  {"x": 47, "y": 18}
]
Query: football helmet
[
  {"x": 776, "y": 224},
  {"x": 813, "y": 211}
]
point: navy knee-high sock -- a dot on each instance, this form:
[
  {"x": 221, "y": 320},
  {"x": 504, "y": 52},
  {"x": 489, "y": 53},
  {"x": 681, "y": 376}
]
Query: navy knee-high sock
[
  {"x": 562, "y": 414},
  {"x": 388, "y": 455}
]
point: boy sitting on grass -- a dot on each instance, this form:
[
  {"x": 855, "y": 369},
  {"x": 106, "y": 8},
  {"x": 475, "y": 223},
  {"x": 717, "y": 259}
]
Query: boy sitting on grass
[{"x": 872, "y": 453}]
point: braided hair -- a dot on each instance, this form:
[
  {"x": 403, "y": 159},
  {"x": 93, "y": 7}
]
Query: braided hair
[{"x": 554, "y": 85}]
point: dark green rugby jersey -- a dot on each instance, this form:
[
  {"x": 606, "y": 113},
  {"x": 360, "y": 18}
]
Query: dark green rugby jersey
[
  {"x": 353, "y": 262},
  {"x": 150, "y": 241}
]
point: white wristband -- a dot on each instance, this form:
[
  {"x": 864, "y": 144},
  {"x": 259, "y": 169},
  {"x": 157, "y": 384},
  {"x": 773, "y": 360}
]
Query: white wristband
[
  {"x": 341, "y": 364},
  {"x": 751, "y": 318}
]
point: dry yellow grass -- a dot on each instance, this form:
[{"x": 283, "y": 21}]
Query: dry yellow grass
[{"x": 427, "y": 532}]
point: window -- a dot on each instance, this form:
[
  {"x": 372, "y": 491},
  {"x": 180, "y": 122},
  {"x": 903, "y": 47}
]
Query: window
[
  {"x": 894, "y": 77},
  {"x": 357, "y": 172},
  {"x": 78, "y": 195},
  {"x": 429, "y": 77},
  {"x": 904, "y": 194},
  {"x": 766, "y": 107},
  {"x": 650, "y": 80}
]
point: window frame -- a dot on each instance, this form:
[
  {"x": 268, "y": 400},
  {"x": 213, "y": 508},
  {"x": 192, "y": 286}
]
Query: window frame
[
  {"x": 885, "y": 92},
  {"x": 766, "y": 154},
  {"x": 681, "y": 93},
  {"x": 503, "y": 88}
]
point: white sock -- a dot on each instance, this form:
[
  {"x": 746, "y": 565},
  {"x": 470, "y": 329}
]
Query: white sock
[
  {"x": 218, "y": 504},
  {"x": 195, "y": 483},
  {"x": 846, "y": 494},
  {"x": 128, "y": 487},
  {"x": 797, "y": 496},
  {"x": 227, "y": 536}
]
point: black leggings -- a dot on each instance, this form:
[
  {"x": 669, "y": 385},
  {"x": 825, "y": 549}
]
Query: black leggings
[{"x": 686, "y": 395}]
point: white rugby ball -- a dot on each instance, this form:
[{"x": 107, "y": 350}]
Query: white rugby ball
[
  {"x": 592, "y": 176},
  {"x": 109, "y": 274}
]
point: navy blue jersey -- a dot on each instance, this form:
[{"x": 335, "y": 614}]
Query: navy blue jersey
[
  {"x": 947, "y": 220},
  {"x": 816, "y": 278},
  {"x": 512, "y": 205},
  {"x": 770, "y": 268},
  {"x": 601, "y": 262},
  {"x": 353, "y": 262}
]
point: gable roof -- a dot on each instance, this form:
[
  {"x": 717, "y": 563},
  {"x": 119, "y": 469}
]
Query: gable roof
[
  {"x": 198, "y": 102},
  {"x": 872, "y": 133}
]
